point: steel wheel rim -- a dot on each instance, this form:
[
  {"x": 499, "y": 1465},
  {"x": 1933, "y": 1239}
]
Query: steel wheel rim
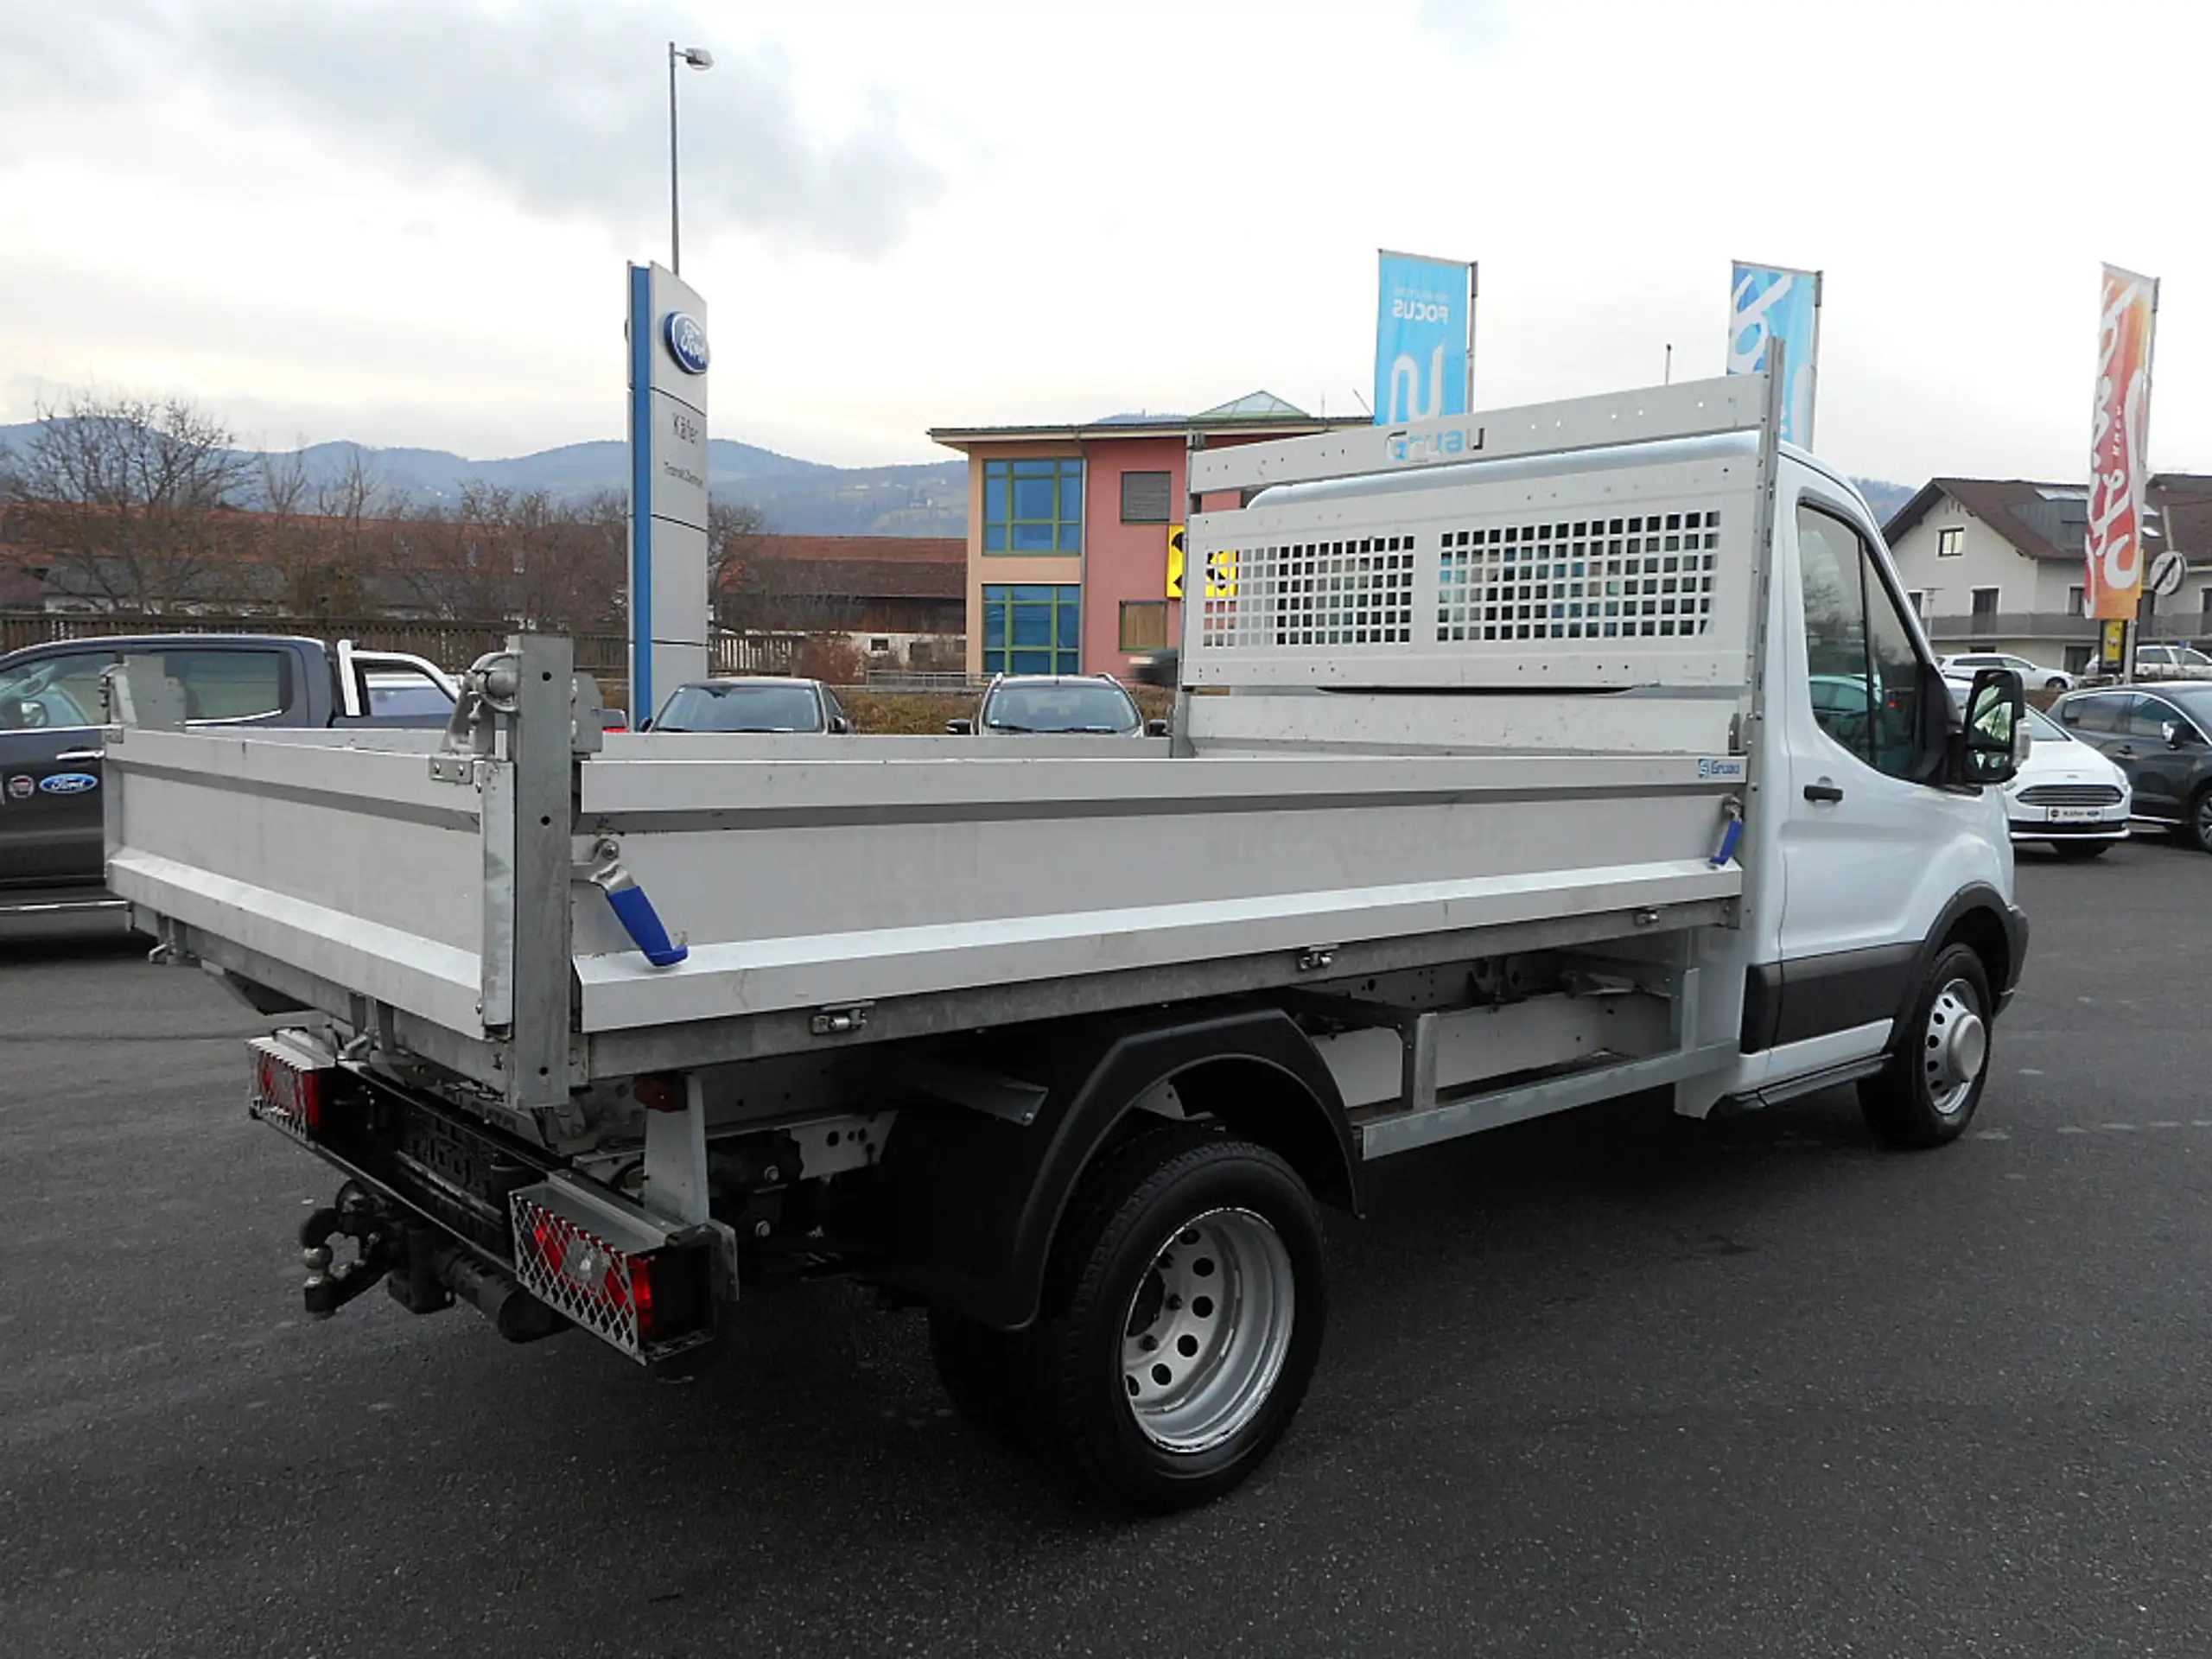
[
  {"x": 1954, "y": 1047},
  {"x": 1207, "y": 1330}
]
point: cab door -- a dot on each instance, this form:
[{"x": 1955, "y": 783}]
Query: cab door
[
  {"x": 2125, "y": 728},
  {"x": 51, "y": 714},
  {"x": 1873, "y": 846},
  {"x": 2160, "y": 772}
]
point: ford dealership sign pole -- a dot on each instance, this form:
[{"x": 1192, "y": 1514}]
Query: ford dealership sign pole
[{"x": 669, "y": 602}]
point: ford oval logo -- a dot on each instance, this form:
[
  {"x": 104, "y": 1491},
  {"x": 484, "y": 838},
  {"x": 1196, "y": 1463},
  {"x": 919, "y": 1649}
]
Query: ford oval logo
[
  {"x": 687, "y": 342},
  {"x": 68, "y": 783}
]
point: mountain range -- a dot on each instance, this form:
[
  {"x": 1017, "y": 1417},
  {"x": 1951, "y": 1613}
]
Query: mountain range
[{"x": 799, "y": 498}]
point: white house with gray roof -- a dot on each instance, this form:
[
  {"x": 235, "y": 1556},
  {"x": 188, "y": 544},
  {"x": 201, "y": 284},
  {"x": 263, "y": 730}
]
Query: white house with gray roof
[{"x": 1996, "y": 564}]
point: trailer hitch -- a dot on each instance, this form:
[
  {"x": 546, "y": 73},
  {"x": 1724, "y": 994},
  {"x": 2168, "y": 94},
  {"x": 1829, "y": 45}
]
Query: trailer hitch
[
  {"x": 423, "y": 1273},
  {"x": 380, "y": 1245}
]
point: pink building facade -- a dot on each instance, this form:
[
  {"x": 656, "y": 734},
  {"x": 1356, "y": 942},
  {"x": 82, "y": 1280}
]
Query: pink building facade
[{"x": 1067, "y": 532}]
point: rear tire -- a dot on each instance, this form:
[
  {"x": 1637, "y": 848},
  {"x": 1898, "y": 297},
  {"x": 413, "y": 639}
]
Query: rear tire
[
  {"x": 2079, "y": 850},
  {"x": 1927, "y": 1094},
  {"x": 1183, "y": 1308}
]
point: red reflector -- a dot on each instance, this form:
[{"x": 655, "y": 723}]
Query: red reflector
[
  {"x": 293, "y": 1093},
  {"x": 585, "y": 1276},
  {"x": 659, "y": 1091}
]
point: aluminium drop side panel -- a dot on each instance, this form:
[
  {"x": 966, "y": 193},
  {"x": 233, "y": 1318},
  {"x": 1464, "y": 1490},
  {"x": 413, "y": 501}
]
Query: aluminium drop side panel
[
  {"x": 1693, "y": 721},
  {"x": 346, "y": 862},
  {"x": 800, "y": 884}
]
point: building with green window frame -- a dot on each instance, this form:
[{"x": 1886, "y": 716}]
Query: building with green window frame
[{"x": 1068, "y": 530}]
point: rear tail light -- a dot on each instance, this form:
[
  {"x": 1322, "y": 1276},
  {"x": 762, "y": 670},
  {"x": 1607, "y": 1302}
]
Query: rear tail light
[
  {"x": 291, "y": 1085},
  {"x": 614, "y": 1269}
]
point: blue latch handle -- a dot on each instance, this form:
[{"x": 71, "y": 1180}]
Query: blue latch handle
[
  {"x": 641, "y": 921},
  {"x": 1731, "y": 831}
]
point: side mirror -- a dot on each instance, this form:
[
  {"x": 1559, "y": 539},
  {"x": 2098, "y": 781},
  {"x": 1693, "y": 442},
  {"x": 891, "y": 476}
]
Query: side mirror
[
  {"x": 1996, "y": 737},
  {"x": 1156, "y": 729},
  {"x": 961, "y": 727},
  {"x": 839, "y": 725},
  {"x": 2171, "y": 732},
  {"x": 13, "y": 715}
]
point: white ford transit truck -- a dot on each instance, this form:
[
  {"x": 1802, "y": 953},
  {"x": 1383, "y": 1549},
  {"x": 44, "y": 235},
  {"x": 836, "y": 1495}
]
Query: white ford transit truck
[{"x": 1519, "y": 761}]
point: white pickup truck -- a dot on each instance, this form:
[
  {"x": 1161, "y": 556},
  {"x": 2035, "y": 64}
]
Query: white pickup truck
[{"x": 1520, "y": 761}]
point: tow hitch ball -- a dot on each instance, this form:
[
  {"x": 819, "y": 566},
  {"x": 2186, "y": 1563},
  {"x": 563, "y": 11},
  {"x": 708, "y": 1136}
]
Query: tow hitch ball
[
  {"x": 423, "y": 1273},
  {"x": 380, "y": 1248}
]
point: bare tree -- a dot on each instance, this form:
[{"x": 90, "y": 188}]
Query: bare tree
[
  {"x": 519, "y": 556},
  {"x": 735, "y": 530},
  {"x": 133, "y": 493},
  {"x": 319, "y": 535}
]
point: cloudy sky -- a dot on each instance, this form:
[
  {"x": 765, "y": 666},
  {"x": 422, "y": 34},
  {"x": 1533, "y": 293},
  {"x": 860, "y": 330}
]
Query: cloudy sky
[{"x": 405, "y": 221}]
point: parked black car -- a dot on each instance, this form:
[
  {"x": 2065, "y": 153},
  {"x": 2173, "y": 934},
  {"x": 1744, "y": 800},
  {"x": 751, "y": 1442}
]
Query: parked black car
[
  {"x": 53, "y": 707},
  {"x": 2158, "y": 738},
  {"x": 1057, "y": 704}
]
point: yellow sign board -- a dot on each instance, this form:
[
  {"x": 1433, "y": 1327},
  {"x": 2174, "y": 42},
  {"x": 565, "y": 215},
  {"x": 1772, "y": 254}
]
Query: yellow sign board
[
  {"x": 1221, "y": 574},
  {"x": 1220, "y": 566},
  {"x": 2113, "y": 656}
]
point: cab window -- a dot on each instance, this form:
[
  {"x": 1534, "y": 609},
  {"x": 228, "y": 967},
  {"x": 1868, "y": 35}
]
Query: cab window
[
  {"x": 1866, "y": 679},
  {"x": 230, "y": 684},
  {"x": 2152, "y": 715},
  {"x": 61, "y": 690},
  {"x": 2098, "y": 713}
]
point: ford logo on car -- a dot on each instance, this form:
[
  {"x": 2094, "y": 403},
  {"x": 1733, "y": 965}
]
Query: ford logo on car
[
  {"x": 68, "y": 783},
  {"x": 687, "y": 342}
]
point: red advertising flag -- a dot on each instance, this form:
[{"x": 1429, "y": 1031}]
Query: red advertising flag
[{"x": 2118, "y": 471}]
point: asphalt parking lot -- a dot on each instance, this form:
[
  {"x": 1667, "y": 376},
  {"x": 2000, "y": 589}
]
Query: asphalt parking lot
[{"x": 1594, "y": 1386}]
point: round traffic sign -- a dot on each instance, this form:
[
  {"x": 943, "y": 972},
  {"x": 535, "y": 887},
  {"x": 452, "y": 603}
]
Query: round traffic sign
[{"x": 2168, "y": 571}]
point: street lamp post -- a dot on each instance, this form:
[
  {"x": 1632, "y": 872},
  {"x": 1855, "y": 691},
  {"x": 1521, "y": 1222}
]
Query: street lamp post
[{"x": 699, "y": 58}]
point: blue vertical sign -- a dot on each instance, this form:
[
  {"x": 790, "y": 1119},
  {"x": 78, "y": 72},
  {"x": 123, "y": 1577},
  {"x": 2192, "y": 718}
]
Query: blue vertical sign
[
  {"x": 1424, "y": 333},
  {"x": 1771, "y": 303},
  {"x": 669, "y": 608}
]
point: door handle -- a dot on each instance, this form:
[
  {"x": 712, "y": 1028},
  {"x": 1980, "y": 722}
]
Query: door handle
[
  {"x": 78, "y": 754},
  {"x": 1823, "y": 791}
]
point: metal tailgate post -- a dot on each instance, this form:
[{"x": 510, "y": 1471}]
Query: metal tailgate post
[{"x": 544, "y": 810}]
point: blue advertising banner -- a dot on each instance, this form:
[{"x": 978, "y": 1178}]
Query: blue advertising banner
[
  {"x": 1771, "y": 303},
  {"x": 1424, "y": 330}
]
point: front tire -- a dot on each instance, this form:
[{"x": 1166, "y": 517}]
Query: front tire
[
  {"x": 2197, "y": 829},
  {"x": 1185, "y": 1304},
  {"x": 1927, "y": 1094}
]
